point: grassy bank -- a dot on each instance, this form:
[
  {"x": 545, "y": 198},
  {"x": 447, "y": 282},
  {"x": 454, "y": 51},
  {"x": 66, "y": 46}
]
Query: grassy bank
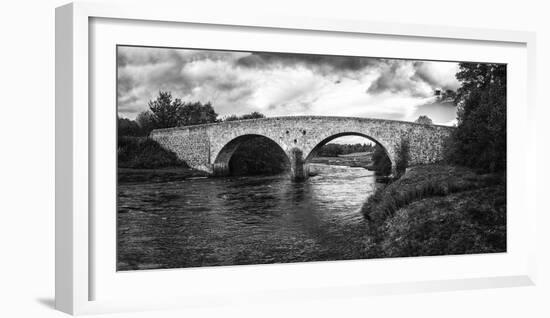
[
  {"x": 145, "y": 153},
  {"x": 141, "y": 159},
  {"x": 351, "y": 160},
  {"x": 437, "y": 209}
]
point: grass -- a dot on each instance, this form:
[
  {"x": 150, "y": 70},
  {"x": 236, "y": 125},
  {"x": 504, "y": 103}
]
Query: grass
[
  {"x": 437, "y": 210},
  {"x": 468, "y": 222},
  {"x": 145, "y": 153},
  {"x": 422, "y": 182},
  {"x": 363, "y": 161},
  {"x": 141, "y": 159}
]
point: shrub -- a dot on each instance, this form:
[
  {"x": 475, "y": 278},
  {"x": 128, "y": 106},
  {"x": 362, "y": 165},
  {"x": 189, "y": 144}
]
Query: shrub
[
  {"x": 127, "y": 127},
  {"x": 403, "y": 156},
  {"x": 145, "y": 153},
  {"x": 381, "y": 164},
  {"x": 425, "y": 120},
  {"x": 253, "y": 115}
]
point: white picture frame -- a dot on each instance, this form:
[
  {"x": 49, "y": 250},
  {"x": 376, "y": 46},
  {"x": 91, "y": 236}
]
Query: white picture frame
[{"x": 77, "y": 254}]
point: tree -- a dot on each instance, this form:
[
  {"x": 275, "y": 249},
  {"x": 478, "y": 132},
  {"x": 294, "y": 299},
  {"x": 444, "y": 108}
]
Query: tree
[
  {"x": 330, "y": 150},
  {"x": 480, "y": 138},
  {"x": 425, "y": 120},
  {"x": 196, "y": 113},
  {"x": 231, "y": 118},
  {"x": 146, "y": 120},
  {"x": 165, "y": 110},
  {"x": 334, "y": 150},
  {"x": 447, "y": 96},
  {"x": 478, "y": 77},
  {"x": 252, "y": 115},
  {"x": 127, "y": 127}
]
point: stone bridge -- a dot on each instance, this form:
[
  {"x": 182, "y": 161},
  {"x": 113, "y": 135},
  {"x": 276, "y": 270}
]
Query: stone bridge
[{"x": 209, "y": 147}]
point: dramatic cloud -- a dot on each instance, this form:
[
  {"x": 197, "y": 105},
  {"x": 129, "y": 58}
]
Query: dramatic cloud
[
  {"x": 416, "y": 78},
  {"x": 436, "y": 74},
  {"x": 279, "y": 84},
  {"x": 325, "y": 64}
]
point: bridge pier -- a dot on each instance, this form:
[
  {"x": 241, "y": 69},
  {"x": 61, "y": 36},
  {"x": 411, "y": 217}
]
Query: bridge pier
[
  {"x": 298, "y": 171},
  {"x": 393, "y": 170},
  {"x": 221, "y": 169}
]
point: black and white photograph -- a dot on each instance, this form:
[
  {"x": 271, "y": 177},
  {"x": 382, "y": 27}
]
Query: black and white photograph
[
  {"x": 231, "y": 158},
  {"x": 249, "y": 159}
]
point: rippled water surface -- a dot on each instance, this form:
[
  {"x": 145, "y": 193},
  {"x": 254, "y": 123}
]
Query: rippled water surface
[{"x": 242, "y": 220}]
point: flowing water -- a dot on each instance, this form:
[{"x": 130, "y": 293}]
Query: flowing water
[{"x": 243, "y": 220}]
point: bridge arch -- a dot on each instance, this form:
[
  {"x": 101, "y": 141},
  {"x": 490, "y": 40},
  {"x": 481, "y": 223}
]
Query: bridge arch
[
  {"x": 222, "y": 162},
  {"x": 313, "y": 152},
  {"x": 325, "y": 141}
]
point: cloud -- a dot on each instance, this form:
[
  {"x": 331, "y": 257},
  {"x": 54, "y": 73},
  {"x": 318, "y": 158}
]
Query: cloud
[
  {"x": 189, "y": 74},
  {"x": 437, "y": 74},
  {"x": 322, "y": 63},
  {"x": 286, "y": 90},
  {"x": 279, "y": 84},
  {"x": 351, "y": 140},
  {"x": 416, "y": 78}
]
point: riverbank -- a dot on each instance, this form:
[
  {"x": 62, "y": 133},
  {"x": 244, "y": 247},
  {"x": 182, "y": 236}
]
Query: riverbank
[
  {"x": 362, "y": 160},
  {"x": 128, "y": 175},
  {"x": 437, "y": 210}
]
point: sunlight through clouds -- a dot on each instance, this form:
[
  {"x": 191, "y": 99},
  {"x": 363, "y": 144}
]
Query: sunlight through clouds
[{"x": 278, "y": 84}]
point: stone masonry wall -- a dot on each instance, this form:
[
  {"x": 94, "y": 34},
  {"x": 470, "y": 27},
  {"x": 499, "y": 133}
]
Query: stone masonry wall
[
  {"x": 203, "y": 146},
  {"x": 190, "y": 145}
]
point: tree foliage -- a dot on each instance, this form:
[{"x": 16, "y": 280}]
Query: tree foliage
[
  {"x": 480, "y": 138},
  {"x": 166, "y": 112},
  {"x": 196, "y": 113},
  {"x": 146, "y": 120},
  {"x": 334, "y": 150},
  {"x": 380, "y": 161},
  {"x": 232, "y": 118},
  {"x": 127, "y": 127},
  {"x": 425, "y": 120},
  {"x": 253, "y": 115},
  {"x": 403, "y": 156},
  {"x": 330, "y": 150}
]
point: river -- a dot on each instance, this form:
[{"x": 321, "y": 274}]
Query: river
[{"x": 243, "y": 220}]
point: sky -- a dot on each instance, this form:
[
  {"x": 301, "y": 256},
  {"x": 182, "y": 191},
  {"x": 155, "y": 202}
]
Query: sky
[{"x": 284, "y": 84}]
